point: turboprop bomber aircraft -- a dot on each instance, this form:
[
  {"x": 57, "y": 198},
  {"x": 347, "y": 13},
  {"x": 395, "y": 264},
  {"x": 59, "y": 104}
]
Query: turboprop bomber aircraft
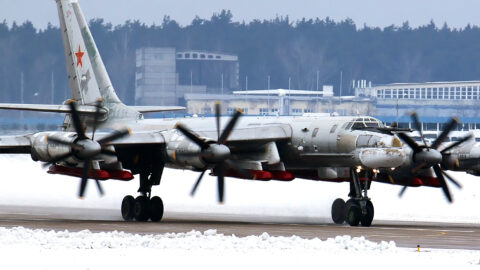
[{"x": 356, "y": 149}]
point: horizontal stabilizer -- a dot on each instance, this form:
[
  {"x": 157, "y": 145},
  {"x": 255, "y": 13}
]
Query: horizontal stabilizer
[
  {"x": 150, "y": 109},
  {"x": 83, "y": 109}
]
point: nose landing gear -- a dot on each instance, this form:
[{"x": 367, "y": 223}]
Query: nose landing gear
[{"x": 359, "y": 208}]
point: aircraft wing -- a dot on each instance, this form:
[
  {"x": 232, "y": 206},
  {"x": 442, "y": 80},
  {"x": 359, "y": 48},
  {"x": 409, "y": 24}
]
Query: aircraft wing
[
  {"x": 151, "y": 109},
  {"x": 15, "y": 144},
  {"x": 83, "y": 109},
  {"x": 253, "y": 133},
  {"x": 137, "y": 138}
]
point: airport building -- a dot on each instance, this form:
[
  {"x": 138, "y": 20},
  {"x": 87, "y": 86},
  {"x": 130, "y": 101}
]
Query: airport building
[
  {"x": 163, "y": 75},
  {"x": 434, "y": 102},
  {"x": 281, "y": 102}
]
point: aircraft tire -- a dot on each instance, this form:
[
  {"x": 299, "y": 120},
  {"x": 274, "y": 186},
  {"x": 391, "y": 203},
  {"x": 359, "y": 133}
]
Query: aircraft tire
[
  {"x": 338, "y": 211},
  {"x": 353, "y": 212},
  {"x": 156, "y": 209},
  {"x": 128, "y": 208},
  {"x": 142, "y": 208},
  {"x": 368, "y": 218}
]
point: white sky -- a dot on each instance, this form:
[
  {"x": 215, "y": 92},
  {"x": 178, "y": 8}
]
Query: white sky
[{"x": 381, "y": 13}]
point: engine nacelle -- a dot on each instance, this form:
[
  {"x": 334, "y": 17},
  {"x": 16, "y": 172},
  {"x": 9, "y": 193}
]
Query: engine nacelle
[
  {"x": 380, "y": 157},
  {"x": 45, "y": 151},
  {"x": 181, "y": 152}
]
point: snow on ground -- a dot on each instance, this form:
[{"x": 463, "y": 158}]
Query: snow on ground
[
  {"x": 24, "y": 182},
  {"x": 38, "y": 249}
]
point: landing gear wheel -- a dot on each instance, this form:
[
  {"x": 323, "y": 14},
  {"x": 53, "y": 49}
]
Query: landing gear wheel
[
  {"x": 353, "y": 212},
  {"x": 142, "y": 208},
  {"x": 367, "y": 219},
  {"x": 128, "y": 208},
  {"x": 156, "y": 209},
  {"x": 338, "y": 211}
]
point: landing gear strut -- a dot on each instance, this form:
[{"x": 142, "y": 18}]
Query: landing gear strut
[
  {"x": 359, "y": 208},
  {"x": 144, "y": 207}
]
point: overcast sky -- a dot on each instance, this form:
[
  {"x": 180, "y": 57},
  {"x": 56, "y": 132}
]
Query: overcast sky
[{"x": 457, "y": 13}]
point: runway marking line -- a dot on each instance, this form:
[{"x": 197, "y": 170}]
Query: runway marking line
[{"x": 420, "y": 229}]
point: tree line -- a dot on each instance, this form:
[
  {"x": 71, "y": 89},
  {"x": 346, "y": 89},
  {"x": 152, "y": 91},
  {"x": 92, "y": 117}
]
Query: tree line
[{"x": 307, "y": 52}]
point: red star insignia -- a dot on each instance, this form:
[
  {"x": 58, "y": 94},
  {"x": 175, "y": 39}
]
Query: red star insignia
[{"x": 79, "y": 56}]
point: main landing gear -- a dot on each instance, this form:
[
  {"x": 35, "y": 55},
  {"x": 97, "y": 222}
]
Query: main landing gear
[
  {"x": 144, "y": 207},
  {"x": 357, "y": 209}
]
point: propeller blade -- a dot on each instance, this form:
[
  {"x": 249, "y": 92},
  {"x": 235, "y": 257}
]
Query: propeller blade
[
  {"x": 455, "y": 144},
  {"x": 408, "y": 140},
  {"x": 220, "y": 182},
  {"x": 99, "y": 187},
  {"x": 448, "y": 128},
  {"x": 217, "y": 118},
  {"x": 199, "y": 179},
  {"x": 231, "y": 124},
  {"x": 114, "y": 136},
  {"x": 443, "y": 184},
  {"x": 76, "y": 121},
  {"x": 194, "y": 138},
  {"x": 96, "y": 118},
  {"x": 400, "y": 194},
  {"x": 62, "y": 142},
  {"x": 83, "y": 183},
  {"x": 58, "y": 159},
  {"x": 449, "y": 177},
  {"x": 418, "y": 126}
]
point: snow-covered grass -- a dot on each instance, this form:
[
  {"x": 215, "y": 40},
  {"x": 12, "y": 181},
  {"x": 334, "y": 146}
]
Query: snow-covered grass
[
  {"x": 26, "y": 183},
  {"x": 38, "y": 249}
]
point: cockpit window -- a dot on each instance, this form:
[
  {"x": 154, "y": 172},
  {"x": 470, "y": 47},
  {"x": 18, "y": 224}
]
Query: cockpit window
[{"x": 362, "y": 123}]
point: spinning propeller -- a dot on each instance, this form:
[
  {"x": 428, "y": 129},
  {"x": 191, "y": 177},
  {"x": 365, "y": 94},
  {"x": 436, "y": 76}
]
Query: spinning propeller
[
  {"x": 215, "y": 153},
  {"x": 86, "y": 149},
  {"x": 425, "y": 156}
]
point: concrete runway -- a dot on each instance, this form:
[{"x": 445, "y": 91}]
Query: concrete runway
[{"x": 405, "y": 234}]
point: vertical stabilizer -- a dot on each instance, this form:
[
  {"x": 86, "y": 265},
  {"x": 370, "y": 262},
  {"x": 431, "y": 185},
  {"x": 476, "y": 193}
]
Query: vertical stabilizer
[{"x": 87, "y": 75}]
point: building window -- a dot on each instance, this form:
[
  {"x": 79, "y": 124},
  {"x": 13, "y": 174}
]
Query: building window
[
  {"x": 187, "y": 55},
  {"x": 274, "y": 110},
  {"x": 296, "y": 111},
  {"x": 230, "y": 110},
  {"x": 307, "y": 111},
  {"x": 430, "y": 126},
  {"x": 388, "y": 94},
  {"x": 429, "y": 93},
  {"x": 263, "y": 111}
]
